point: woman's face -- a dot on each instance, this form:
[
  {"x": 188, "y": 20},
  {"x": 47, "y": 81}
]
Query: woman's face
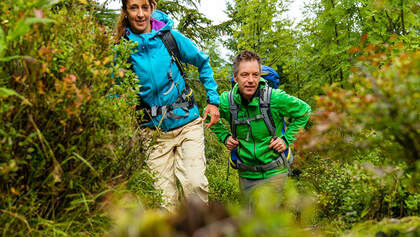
[{"x": 138, "y": 14}]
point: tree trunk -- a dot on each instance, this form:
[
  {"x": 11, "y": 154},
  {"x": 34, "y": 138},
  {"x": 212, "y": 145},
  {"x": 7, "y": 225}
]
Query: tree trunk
[
  {"x": 402, "y": 17},
  {"x": 391, "y": 24},
  {"x": 337, "y": 42}
]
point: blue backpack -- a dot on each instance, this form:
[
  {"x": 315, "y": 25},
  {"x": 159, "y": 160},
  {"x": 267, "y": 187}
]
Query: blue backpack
[{"x": 273, "y": 81}]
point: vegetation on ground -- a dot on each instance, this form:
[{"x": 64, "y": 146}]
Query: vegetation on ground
[{"x": 72, "y": 154}]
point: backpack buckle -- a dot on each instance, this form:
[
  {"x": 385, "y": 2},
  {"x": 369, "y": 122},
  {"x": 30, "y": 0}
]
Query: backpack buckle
[{"x": 153, "y": 111}]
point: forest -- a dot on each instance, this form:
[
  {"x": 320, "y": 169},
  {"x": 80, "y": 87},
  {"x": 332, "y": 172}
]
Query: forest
[{"x": 72, "y": 157}]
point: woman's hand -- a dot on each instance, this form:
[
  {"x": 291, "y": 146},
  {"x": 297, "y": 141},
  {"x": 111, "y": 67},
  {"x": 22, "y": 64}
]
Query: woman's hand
[{"x": 214, "y": 114}]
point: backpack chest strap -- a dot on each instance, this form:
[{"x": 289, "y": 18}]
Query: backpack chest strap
[
  {"x": 248, "y": 121},
  {"x": 185, "y": 101},
  {"x": 265, "y": 113}
]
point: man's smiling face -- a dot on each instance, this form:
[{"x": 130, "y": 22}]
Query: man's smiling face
[{"x": 248, "y": 78}]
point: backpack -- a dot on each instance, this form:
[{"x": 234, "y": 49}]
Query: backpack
[
  {"x": 286, "y": 158},
  {"x": 170, "y": 44}
]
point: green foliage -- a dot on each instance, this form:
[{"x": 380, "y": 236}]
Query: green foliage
[
  {"x": 71, "y": 146},
  {"x": 223, "y": 183},
  {"x": 362, "y": 190},
  {"x": 105, "y": 16},
  {"x": 408, "y": 226},
  {"x": 381, "y": 110},
  {"x": 367, "y": 138},
  {"x": 192, "y": 23},
  {"x": 331, "y": 28},
  {"x": 130, "y": 218},
  {"x": 141, "y": 183},
  {"x": 289, "y": 213},
  {"x": 258, "y": 26},
  {"x": 64, "y": 142},
  {"x": 274, "y": 215}
]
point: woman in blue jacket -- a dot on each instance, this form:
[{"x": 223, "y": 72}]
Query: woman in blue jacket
[{"x": 179, "y": 152}]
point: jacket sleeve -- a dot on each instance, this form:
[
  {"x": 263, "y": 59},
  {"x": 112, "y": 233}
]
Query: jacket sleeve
[
  {"x": 292, "y": 107},
  {"x": 192, "y": 55},
  {"x": 219, "y": 129}
]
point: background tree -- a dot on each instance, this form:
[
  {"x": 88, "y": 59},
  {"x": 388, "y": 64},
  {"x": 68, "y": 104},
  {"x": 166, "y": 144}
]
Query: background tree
[{"x": 189, "y": 20}]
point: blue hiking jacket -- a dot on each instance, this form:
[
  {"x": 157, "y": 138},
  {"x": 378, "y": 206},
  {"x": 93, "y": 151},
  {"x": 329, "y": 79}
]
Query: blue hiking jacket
[{"x": 152, "y": 63}]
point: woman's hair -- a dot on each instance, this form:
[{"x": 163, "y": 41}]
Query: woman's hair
[
  {"x": 245, "y": 55},
  {"x": 123, "y": 21}
]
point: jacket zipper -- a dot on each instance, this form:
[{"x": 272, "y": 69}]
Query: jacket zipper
[
  {"x": 252, "y": 136},
  {"x": 155, "y": 89},
  {"x": 253, "y": 142}
]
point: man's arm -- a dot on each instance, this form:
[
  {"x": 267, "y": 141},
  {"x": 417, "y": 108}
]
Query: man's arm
[{"x": 292, "y": 107}]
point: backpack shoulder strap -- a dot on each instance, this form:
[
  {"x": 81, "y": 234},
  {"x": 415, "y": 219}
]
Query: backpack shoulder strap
[
  {"x": 265, "y": 96},
  {"x": 170, "y": 44},
  {"x": 233, "y": 109}
]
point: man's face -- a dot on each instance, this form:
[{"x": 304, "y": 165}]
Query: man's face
[
  {"x": 248, "y": 77},
  {"x": 138, "y": 14}
]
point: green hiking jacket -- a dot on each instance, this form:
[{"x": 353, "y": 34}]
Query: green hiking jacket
[{"x": 255, "y": 151}]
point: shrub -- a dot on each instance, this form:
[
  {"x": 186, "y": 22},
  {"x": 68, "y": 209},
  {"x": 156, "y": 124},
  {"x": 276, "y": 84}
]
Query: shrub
[
  {"x": 351, "y": 192},
  {"x": 64, "y": 143},
  {"x": 361, "y": 155}
]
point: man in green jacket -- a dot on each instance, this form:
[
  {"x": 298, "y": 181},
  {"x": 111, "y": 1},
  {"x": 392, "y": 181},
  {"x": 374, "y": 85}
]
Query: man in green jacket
[{"x": 256, "y": 147}]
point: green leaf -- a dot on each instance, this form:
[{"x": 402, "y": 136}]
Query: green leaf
[
  {"x": 23, "y": 27},
  {"x": 6, "y": 59},
  {"x": 5, "y": 92},
  {"x": 45, "y": 3},
  {"x": 2, "y": 42}
]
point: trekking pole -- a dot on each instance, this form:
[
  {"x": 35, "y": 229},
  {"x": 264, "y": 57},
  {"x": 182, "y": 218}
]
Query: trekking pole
[{"x": 286, "y": 163}]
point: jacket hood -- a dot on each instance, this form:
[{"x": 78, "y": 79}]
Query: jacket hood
[{"x": 161, "y": 16}]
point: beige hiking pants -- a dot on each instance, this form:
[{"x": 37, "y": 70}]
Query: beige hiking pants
[{"x": 179, "y": 154}]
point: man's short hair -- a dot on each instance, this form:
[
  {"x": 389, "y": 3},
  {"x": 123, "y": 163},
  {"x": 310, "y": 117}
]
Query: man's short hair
[{"x": 245, "y": 55}]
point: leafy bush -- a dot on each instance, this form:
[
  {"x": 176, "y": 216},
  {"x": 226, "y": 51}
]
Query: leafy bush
[
  {"x": 288, "y": 214},
  {"x": 361, "y": 155},
  {"x": 224, "y": 186},
  {"x": 64, "y": 143},
  {"x": 380, "y": 111},
  {"x": 406, "y": 227},
  {"x": 362, "y": 190}
]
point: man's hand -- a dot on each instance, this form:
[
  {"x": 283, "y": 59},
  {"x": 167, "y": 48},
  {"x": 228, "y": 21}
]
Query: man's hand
[
  {"x": 231, "y": 143},
  {"x": 277, "y": 144},
  {"x": 214, "y": 114}
]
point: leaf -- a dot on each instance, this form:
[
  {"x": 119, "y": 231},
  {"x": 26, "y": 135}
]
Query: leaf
[
  {"x": 45, "y": 3},
  {"x": 23, "y": 27},
  {"x": 6, "y": 59},
  {"x": 5, "y": 92},
  {"x": 86, "y": 163},
  {"x": 2, "y": 42}
]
